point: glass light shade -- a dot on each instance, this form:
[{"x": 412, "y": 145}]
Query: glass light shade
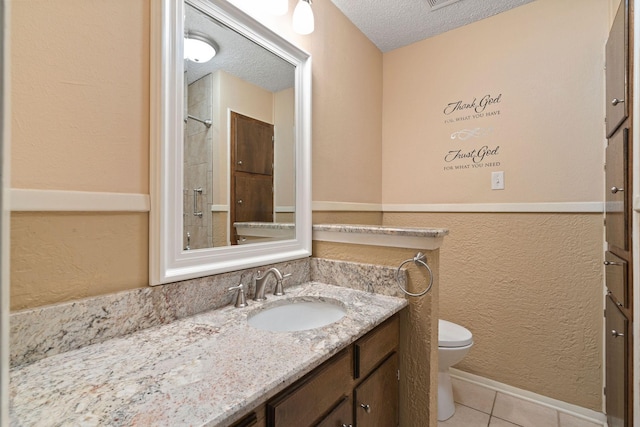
[
  {"x": 198, "y": 50},
  {"x": 303, "y": 22},
  {"x": 278, "y": 7}
]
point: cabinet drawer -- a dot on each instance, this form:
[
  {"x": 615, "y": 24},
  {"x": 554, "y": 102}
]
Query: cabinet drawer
[
  {"x": 254, "y": 419},
  {"x": 375, "y": 347},
  {"x": 617, "y": 185},
  {"x": 616, "y": 279},
  {"x": 304, "y": 404},
  {"x": 616, "y": 53}
]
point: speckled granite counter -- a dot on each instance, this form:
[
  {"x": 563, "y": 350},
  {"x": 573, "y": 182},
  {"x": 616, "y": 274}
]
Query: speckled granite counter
[
  {"x": 208, "y": 369},
  {"x": 381, "y": 235}
]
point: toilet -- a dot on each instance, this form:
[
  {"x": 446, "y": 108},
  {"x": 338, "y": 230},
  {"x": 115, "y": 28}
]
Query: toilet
[{"x": 454, "y": 342}]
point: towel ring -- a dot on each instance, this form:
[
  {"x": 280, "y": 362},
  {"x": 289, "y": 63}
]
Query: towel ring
[{"x": 419, "y": 260}]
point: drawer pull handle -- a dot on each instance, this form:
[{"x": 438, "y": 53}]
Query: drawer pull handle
[
  {"x": 347, "y": 425},
  {"x": 367, "y": 408},
  {"x": 616, "y": 101},
  {"x": 614, "y": 190},
  {"x": 612, "y": 263},
  {"x": 616, "y": 334}
]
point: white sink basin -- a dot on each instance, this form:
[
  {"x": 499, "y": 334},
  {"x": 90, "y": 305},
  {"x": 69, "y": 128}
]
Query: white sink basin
[{"x": 297, "y": 315}]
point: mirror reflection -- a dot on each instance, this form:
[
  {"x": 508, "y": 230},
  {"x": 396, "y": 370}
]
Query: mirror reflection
[{"x": 239, "y": 140}]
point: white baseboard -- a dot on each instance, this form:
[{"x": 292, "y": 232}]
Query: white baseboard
[{"x": 558, "y": 405}]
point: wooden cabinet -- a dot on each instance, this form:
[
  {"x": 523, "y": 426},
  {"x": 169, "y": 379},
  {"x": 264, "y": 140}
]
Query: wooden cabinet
[
  {"x": 617, "y": 206},
  {"x": 618, "y": 258},
  {"x": 617, "y": 58},
  {"x": 341, "y": 415},
  {"x": 373, "y": 408},
  {"x": 357, "y": 387},
  {"x": 617, "y": 362},
  {"x": 310, "y": 399}
]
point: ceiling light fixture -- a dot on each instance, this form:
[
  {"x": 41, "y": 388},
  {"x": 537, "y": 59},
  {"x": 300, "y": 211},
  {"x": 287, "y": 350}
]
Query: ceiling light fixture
[
  {"x": 303, "y": 21},
  {"x": 198, "y": 48}
]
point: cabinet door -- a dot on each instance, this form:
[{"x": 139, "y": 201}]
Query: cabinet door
[
  {"x": 376, "y": 398},
  {"x": 341, "y": 415},
  {"x": 616, "y": 75},
  {"x": 375, "y": 347},
  {"x": 616, "y": 279},
  {"x": 616, "y": 369},
  {"x": 616, "y": 188},
  {"x": 307, "y": 402}
]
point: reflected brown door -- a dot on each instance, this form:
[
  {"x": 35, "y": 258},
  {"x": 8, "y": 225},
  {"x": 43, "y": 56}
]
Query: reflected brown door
[{"x": 251, "y": 171}]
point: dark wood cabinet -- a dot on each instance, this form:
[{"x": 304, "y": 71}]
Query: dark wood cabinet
[
  {"x": 373, "y": 408},
  {"x": 341, "y": 415},
  {"x": 618, "y": 230},
  {"x": 310, "y": 399},
  {"x": 617, "y": 211},
  {"x": 617, "y": 362},
  {"x": 617, "y": 59},
  {"x": 357, "y": 387}
]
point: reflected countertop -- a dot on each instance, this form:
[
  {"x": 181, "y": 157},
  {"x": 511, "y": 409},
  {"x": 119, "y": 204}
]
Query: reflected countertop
[
  {"x": 208, "y": 369},
  {"x": 269, "y": 225}
]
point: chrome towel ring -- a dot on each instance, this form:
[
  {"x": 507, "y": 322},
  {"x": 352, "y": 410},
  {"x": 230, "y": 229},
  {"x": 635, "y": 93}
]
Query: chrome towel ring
[{"x": 419, "y": 259}]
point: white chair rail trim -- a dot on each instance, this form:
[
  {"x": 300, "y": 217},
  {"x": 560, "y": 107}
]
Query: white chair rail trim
[{"x": 30, "y": 200}]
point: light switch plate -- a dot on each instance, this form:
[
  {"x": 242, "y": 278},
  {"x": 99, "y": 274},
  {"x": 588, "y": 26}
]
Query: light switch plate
[{"x": 497, "y": 180}]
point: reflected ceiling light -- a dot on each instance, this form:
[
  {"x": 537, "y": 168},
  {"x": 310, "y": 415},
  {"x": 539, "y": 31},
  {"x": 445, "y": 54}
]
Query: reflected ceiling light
[
  {"x": 198, "y": 48},
  {"x": 278, "y": 7},
  {"x": 303, "y": 22}
]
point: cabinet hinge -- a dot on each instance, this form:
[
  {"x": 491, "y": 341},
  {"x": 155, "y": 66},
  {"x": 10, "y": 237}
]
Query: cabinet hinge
[{"x": 604, "y": 391}]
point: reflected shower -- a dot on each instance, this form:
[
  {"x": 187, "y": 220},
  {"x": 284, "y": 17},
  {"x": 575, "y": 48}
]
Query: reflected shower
[{"x": 206, "y": 122}]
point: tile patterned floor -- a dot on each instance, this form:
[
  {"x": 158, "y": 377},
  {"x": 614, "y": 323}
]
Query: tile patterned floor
[{"x": 483, "y": 407}]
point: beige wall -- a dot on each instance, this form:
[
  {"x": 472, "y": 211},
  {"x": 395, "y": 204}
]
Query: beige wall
[
  {"x": 546, "y": 62},
  {"x": 529, "y": 286},
  {"x": 80, "y": 121},
  {"x": 80, "y": 95},
  {"x": 284, "y": 121}
]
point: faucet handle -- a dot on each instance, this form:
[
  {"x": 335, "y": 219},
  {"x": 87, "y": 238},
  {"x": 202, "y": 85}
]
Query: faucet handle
[
  {"x": 279, "y": 291},
  {"x": 240, "y": 299}
]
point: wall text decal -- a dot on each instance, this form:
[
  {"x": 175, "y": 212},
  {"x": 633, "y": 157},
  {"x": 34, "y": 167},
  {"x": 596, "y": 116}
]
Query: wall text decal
[
  {"x": 465, "y": 134},
  {"x": 461, "y": 158}
]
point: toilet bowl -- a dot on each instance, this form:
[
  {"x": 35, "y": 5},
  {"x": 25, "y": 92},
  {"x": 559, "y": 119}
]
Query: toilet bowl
[{"x": 454, "y": 342}]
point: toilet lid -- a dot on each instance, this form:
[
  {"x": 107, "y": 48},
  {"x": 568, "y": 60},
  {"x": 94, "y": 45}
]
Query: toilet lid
[{"x": 452, "y": 335}]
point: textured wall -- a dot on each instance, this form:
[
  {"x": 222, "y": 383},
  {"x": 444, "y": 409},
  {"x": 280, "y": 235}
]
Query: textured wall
[
  {"x": 529, "y": 287},
  {"x": 548, "y": 76},
  {"x": 80, "y": 95},
  {"x": 418, "y": 357},
  {"x": 49, "y": 266},
  {"x": 80, "y": 121}
]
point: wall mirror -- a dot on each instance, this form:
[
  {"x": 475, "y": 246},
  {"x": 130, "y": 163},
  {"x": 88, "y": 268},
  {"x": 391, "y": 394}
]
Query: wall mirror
[{"x": 230, "y": 166}]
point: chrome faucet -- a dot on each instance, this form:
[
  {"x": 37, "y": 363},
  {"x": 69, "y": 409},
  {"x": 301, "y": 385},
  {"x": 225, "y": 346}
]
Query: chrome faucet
[{"x": 261, "y": 281}]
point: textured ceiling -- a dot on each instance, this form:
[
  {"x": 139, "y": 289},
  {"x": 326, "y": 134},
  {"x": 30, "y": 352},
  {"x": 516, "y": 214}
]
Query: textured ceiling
[
  {"x": 237, "y": 55},
  {"x": 391, "y": 24}
]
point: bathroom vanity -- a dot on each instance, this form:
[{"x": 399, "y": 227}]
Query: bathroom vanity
[{"x": 214, "y": 369}]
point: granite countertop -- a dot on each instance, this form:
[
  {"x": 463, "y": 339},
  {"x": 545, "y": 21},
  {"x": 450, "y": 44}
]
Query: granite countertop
[
  {"x": 382, "y": 230},
  {"x": 205, "y": 370},
  {"x": 269, "y": 225}
]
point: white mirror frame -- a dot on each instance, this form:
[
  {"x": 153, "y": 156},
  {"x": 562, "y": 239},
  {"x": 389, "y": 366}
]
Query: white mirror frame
[{"x": 168, "y": 262}]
